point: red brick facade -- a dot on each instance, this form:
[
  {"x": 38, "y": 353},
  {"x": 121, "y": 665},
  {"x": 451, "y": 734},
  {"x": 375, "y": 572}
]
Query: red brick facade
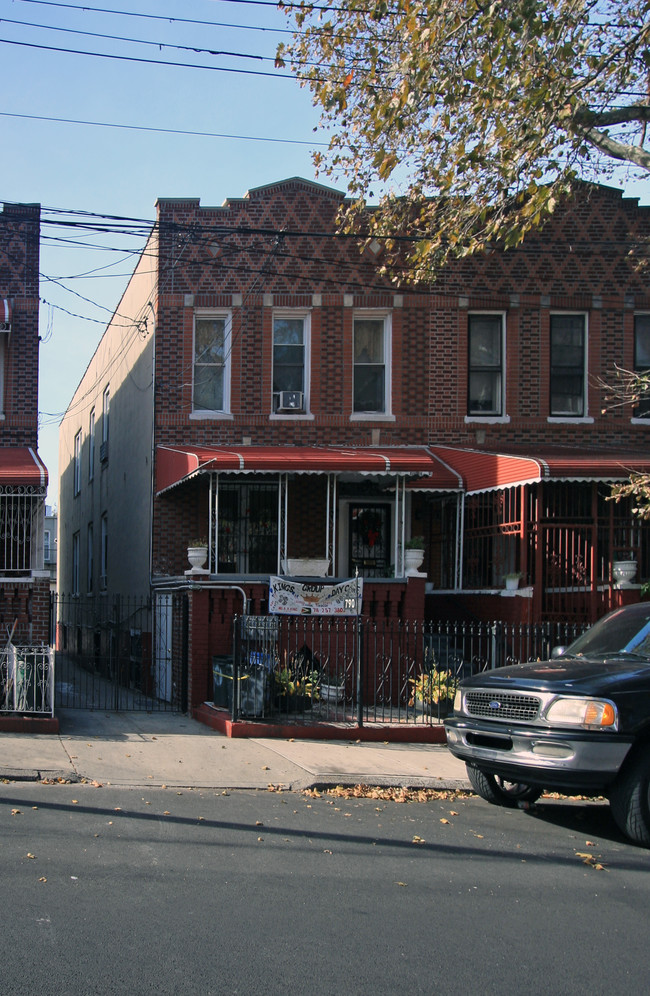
[{"x": 24, "y": 591}]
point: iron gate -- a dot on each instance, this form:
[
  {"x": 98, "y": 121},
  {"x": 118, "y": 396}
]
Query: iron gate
[{"x": 118, "y": 653}]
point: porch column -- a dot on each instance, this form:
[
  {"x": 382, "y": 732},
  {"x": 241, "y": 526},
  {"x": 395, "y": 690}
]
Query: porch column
[{"x": 330, "y": 539}]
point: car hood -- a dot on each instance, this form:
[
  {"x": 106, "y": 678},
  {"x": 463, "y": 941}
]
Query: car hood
[{"x": 570, "y": 674}]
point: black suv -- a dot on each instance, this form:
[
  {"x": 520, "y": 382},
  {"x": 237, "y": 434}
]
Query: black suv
[{"x": 576, "y": 724}]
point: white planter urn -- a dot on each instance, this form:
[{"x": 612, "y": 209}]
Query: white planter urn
[
  {"x": 412, "y": 561},
  {"x": 308, "y": 567},
  {"x": 624, "y": 572},
  {"x": 197, "y": 556}
]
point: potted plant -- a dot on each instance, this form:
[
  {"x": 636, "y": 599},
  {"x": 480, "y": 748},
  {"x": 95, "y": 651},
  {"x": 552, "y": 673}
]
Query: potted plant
[
  {"x": 512, "y": 580},
  {"x": 413, "y": 554},
  {"x": 332, "y": 686},
  {"x": 294, "y": 693},
  {"x": 434, "y": 692},
  {"x": 313, "y": 567},
  {"x": 197, "y": 552}
]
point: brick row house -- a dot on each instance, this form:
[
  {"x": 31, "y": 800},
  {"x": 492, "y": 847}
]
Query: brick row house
[
  {"x": 24, "y": 583},
  {"x": 263, "y": 387}
]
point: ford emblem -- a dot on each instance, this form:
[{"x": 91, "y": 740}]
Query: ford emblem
[{"x": 495, "y": 704}]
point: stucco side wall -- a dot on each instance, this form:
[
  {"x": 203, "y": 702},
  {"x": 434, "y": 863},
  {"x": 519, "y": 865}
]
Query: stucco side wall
[{"x": 116, "y": 483}]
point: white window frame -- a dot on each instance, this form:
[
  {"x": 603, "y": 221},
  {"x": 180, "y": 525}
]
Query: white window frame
[
  {"x": 76, "y": 543},
  {"x": 103, "y": 567},
  {"x": 106, "y": 413},
  {"x": 76, "y": 477},
  {"x": 489, "y": 418},
  {"x": 561, "y": 417},
  {"x": 207, "y": 314},
  {"x": 90, "y": 555},
  {"x": 386, "y": 316},
  {"x": 638, "y": 419},
  {"x": 91, "y": 445},
  {"x": 305, "y": 315}
]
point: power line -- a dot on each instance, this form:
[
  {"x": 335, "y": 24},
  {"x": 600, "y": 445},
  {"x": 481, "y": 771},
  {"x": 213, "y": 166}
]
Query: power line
[
  {"x": 164, "y": 131},
  {"x": 159, "y": 17},
  {"x": 147, "y": 62}
]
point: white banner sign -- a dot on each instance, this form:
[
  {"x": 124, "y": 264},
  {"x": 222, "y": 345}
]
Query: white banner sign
[{"x": 294, "y": 598}]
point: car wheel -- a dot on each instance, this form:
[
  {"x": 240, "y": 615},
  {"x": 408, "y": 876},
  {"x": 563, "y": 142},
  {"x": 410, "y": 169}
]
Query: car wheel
[
  {"x": 629, "y": 799},
  {"x": 499, "y": 791}
]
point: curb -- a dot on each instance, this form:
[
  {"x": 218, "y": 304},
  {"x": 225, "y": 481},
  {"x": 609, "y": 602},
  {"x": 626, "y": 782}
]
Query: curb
[{"x": 36, "y": 775}]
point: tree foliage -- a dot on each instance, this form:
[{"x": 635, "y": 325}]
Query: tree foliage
[
  {"x": 629, "y": 389},
  {"x": 473, "y": 117}
]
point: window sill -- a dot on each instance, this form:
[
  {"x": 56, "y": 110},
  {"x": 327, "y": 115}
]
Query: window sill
[
  {"x": 487, "y": 419},
  {"x": 640, "y": 421},
  {"x": 572, "y": 419},
  {"x": 213, "y": 416},
  {"x": 371, "y": 417},
  {"x": 289, "y": 417}
]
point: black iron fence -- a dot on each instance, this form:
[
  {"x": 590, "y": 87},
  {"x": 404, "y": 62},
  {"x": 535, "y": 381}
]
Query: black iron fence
[
  {"x": 366, "y": 671},
  {"x": 115, "y": 652}
]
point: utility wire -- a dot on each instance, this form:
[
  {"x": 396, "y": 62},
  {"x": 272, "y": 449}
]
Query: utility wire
[
  {"x": 148, "y": 62},
  {"x": 165, "y": 131}
]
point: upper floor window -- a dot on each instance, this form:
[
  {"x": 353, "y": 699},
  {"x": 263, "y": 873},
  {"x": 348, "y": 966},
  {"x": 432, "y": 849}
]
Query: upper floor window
[
  {"x": 290, "y": 359},
  {"x": 77, "y": 463},
  {"x": 91, "y": 445},
  {"x": 46, "y": 545},
  {"x": 103, "y": 565},
  {"x": 642, "y": 360},
  {"x": 106, "y": 410},
  {"x": 89, "y": 557},
  {"x": 75, "y": 564},
  {"x": 211, "y": 363},
  {"x": 568, "y": 365},
  {"x": 371, "y": 352},
  {"x": 485, "y": 381}
]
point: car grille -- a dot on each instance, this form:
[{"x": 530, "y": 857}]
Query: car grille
[{"x": 502, "y": 706}]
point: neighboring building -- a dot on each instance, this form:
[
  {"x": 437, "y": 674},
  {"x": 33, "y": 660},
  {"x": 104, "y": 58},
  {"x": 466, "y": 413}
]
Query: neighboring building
[
  {"x": 24, "y": 583},
  {"x": 266, "y": 388},
  {"x": 50, "y": 542}
]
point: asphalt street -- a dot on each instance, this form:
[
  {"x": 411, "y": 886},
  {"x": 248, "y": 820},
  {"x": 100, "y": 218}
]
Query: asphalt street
[{"x": 187, "y": 891}]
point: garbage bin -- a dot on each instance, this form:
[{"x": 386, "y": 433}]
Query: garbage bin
[
  {"x": 222, "y": 680},
  {"x": 254, "y": 686}
]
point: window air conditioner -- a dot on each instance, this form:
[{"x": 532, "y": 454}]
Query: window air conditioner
[{"x": 290, "y": 401}]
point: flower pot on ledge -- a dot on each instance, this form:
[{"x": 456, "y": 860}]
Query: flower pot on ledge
[
  {"x": 197, "y": 556},
  {"x": 311, "y": 567},
  {"x": 624, "y": 572},
  {"x": 412, "y": 561}
]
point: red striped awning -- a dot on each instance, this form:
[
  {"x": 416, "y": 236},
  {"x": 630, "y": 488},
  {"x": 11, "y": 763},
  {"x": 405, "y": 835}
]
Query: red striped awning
[
  {"x": 177, "y": 464},
  {"x": 483, "y": 471},
  {"x": 21, "y": 465},
  {"x": 5, "y": 314}
]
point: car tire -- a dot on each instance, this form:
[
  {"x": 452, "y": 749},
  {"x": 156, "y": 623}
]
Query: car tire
[
  {"x": 629, "y": 799},
  {"x": 499, "y": 791}
]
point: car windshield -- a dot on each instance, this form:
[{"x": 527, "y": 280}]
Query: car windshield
[{"x": 618, "y": 632}]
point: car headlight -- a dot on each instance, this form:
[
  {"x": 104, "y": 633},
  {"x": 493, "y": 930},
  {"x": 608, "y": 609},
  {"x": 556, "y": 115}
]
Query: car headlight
[
  {"x": 458, "y": 700},
  {"x": 589, "y": 713}
]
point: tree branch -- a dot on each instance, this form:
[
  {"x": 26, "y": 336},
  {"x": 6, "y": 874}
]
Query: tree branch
[{"x": 613, "y": 148}]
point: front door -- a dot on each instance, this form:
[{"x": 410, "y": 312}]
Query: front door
[{"x": 370, "y": 542}]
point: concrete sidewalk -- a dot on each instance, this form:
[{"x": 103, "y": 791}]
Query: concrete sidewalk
[{"x": 136, "y": 749}]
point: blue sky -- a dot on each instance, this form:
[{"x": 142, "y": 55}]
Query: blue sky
[{"x": 122, "y": 171}]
